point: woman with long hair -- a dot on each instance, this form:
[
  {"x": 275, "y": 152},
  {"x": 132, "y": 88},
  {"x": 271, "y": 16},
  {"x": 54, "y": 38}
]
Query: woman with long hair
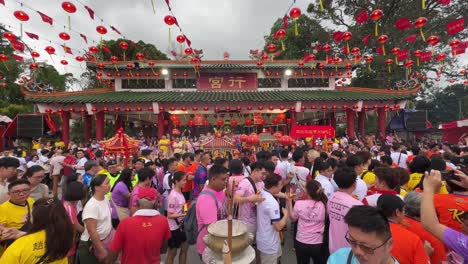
[
  {"x": 120, "y": 197},
  {"x": 49, "y": 239},
  {"x": 175, "y": 215},
  {"x": 311, "y": 214},
  {"x": 72, "y": 195},
  {"x": 98, "y": 233}
]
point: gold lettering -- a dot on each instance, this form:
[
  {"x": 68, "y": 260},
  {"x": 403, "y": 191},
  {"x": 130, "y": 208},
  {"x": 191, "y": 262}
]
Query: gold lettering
[
  {"x": 216, "y": 82},
  {"x": 239, "y": 80}
]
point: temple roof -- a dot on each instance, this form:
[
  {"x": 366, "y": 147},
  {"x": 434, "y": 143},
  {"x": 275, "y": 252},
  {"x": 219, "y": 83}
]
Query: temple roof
[{"x": 110, "y": 96}]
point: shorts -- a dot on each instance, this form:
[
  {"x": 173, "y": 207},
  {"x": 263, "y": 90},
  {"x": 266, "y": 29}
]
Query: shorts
[
  {"x": 270, "y": 258},
  {"x": 177, "y": 238}
]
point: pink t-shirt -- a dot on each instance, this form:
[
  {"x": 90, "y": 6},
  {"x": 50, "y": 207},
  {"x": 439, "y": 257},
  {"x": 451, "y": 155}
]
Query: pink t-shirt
[
  {"x": 175, "y": 205},
  {"x": 248, "y": 211},
  {"x": 70, "y": 208},
  {"x": 338, "y": 206},
  {"x": 311, "y": 216},
  {"x": 133, "y": 196},
  {"x": 238, "y": 179},
  {"x": 207, "y": 214}
]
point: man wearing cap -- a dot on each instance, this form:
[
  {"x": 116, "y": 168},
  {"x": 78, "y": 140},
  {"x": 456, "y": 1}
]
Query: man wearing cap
[
  {"x": 144, "y": 236},
  {"x": 91, "y": 168}
]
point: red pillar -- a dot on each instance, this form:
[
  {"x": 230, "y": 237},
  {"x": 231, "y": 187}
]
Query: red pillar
[
  {"x": 88, "y": 126},
  {"x": 333, "y": 120},
  {"x": 100, "y": 125},
  {"x": 118, "y": 123},
  {"x": 381, "y": 122},
  {"x": 293, "y": 120},
  {"x": 350, "y": 124},
  {"x": 66, "y": 127},
  {"x": 160, "y": 124},
  {"x": 361, "y": 117}
]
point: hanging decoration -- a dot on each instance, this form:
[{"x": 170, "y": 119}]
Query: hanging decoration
[
  {"x": 281, "y": 34},
  {"x": 295, "y": 13},
  {"x": 347, "y": 37},
  {"x": 389, "y": 63},
  {"x": 433, "y": 40},
  {"x": 420, "y": 23},
  {"x": 369, "y": 60},
  {"x": 375, "y": 16},
  {"x": 395, "y": 51},
  {"x": 417, "y": 54},
  {"x": 70, "y": 8},
  {"x": 382, "y": 40}
]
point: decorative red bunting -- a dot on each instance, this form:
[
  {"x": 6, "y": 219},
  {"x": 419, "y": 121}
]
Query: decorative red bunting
[
  {"x": 285, "y": 22},
  {"x": 31, "y": 35},
  {"x": 460, "y": 49},
  {"x": 338, "y": 36},
  {"x": 366, "y": 39},
  {"x": 456, "y": 26},
  {"x": 444, "y": 2},
  {"x": 113, "y": 28},
  {"x": 84, "y": 37},
  {"x": 362, "y": 17},
  {"x": 2, "y": 2},
  {"x": 47, "y": 19},
  {"x": 403, "y": 55},
  {"x": 17, "y": 45},
  {"x": 90, "y": 11},
  {"x": 344, "y": 51},
  {"x": 105, "y": 48},
  {"x": 403, "y": 23},
  {"x": 411, "y": 38},
  {"x": 17, "y": 57},
  {"x": 425, "y": 56},
  {"x": 189, "y": 43},
  {"x": 67, "y": 49},
  {"x": 379, "y": 50}
]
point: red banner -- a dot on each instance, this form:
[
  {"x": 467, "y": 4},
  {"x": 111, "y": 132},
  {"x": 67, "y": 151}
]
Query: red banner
[
  {"x": 403, "y": 23},
  {"x": 227, "y": 81},
  {"x": 312, "y": 131},
  {"x": 362, "y": 17},
  {"x": 456, "y": 26},
  {"x": 425, "y": 56},
  {"x": 403, "y": 55}
]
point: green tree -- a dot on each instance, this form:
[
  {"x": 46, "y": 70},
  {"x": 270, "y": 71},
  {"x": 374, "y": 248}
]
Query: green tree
[
  {"x": 48, "y": 75},
  {"x": 10, "y": 71}
]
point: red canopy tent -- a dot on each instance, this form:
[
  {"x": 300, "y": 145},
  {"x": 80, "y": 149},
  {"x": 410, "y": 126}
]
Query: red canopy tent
[
  {"x": 452, "y": 131},
  {"x": 122, "y": 144}
]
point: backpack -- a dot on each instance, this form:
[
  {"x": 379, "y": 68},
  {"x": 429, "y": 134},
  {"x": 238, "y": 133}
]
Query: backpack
[{"x": 190, "y": 220}]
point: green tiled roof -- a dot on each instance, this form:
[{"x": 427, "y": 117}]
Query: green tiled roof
[{"x": 224, "y": 96}]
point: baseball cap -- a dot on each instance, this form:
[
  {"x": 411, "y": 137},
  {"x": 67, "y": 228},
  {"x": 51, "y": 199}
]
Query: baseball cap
[{"x": 147, "y": 193}]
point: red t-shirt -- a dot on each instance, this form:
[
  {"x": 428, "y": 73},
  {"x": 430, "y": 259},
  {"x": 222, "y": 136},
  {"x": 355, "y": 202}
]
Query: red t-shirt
[
  {"x": 70, "y": 160},
  {"x": 140, "y": 239},
  {"x": 188, "y": 170},
  {"x": 407, "y": 247},
  {"x": 449, "y": 208},
  {"x": 416, "y": 227}
]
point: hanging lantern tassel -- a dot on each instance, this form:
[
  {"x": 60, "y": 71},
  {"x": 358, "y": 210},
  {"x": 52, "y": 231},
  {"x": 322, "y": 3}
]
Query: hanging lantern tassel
[
  {"x": 321, "y": 5},
  {"x": 422, "y": 33},
  {"x": 423, "y": 4},
  {"x": 21, "y": 30},
  {"x": 123, "y": 56},
  {"x": 324, "y": 114},
  {"x": 5, "y": 65},
  {"x": 396, "y": 60},
  {"x": 347, "y": 49},
  {"x": 389, "y": 69},
  {"x": 367, "y": 118},
  {"x": 368, "y": 66},
  {"x": 376, "y": 28},
  {"x": 296, "y": 29},
  {"x": 383, "y": 50},
  {"x": 152, "y": 5},
  {"x": 417, "y": 61},
  {"x": 282, "y": 45},
  {"x": 69, "y": 22}
]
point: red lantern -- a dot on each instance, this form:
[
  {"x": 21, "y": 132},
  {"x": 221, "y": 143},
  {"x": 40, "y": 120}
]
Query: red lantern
[
  {"x": 33, "y": 66},
  {"x": 128, "y": 109},
  {"x": 313, "y": 107},
  {"x": 260, "y": 108},
  {"x": 21, "y": 16},
  {"x": 130, "y": 66},
  {"x": 50, "y": 50},
  {"x": 295, "y": 13},
  {"x": 409, "y": 63},
  {"x": 277, "y": 135},
  {"x": 419, "y": 23},
  {"x": 169, "y": 20},
  {"x": 382, "y": 40},
  {"x": 180, "y": 39},
  {"x": 375, "y": 16},
  {"x": 190, "y": 123},
  {"x": 216, "y": 109},
  {"x": 233, "y": 122},
  {"x": 123, "y": 45},
  {"x": 79, "y": 58},
  {"x": 105, "y": 110},
  {"x": 206, "y": 108},
  {"x": 10, "y": 36},
  {"x": 139, "y": 109},
  {"x": 188, "y": 51},
  {"x": 432, "y": 40},
  {"x": 64, "y": 36},
  {"x": 93, "y": 49},
  {"x": 389, "y": 62},
  {"x": 253, "y": 139},
  {"x": 64, "y": 62},
  {"x": 101, "y": 30},
  {"x": 271, "y": 47},
  {"x": 71, "y": 110},
  {"x": 220, "y": 122},
  {"x": 117, "y": 109},
  {"x": 440, "y": 57},
  {"x": 281, "y": 33},
  {"x": 139, "y": 56},
  {"x": 326, "y": 48},
  {"x": 183, "y": 108},
  {"x": 243, "y": 138},
  {"x": 275, "y": 121},
  {"x": 205, "y": 122},
  {"x": 82, "y": 110},
  {"x": 151, "y": 109},
  {"x": 260, "y": 63},
  {"x": 69, "y": 7},
  {"x": 281, "y": 116},
  {"x": 248, "y": 122}
]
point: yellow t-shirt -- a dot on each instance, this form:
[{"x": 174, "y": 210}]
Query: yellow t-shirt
[
  {"x": 60, "y": 144},
  {"x": 415, "y": 178},
  {"x": 28, "y": 249},
  {"x": 369, "y": 177},
  {"x": 12, "y": 215},
  {"x": 163, "y": 144},
  {"x": 36, "y": 146}
]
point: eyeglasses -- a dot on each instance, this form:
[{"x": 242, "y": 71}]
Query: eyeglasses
[
  {"x": 21, "y": 191},
  {"x": 364, "y": 248}
]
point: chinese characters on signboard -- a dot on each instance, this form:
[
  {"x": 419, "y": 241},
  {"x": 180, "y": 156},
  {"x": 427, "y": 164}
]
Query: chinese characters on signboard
[
  {"x": 312, "y": 131},
  {"x": 227, "y": 81}
]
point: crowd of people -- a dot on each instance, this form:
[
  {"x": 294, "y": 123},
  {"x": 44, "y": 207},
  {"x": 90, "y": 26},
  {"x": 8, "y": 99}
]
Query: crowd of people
[{"x": 347, "y": 202}]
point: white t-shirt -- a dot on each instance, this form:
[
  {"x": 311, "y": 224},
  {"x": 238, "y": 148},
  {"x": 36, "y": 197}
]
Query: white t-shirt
[
  {"x": 402, "y": 159},
  {"x": 3, "y": 192},
  {"x": 23, "y": 163},
  {"x": 283, "y": 167},
  {"x": 268, "y": 211},
  {"x": 81, "y": 163},
  {"x": 327, "y": 185},
  {"x": 361, "y": 188},
  {"x": 32, "y": 163},
  {"x": 101, "y": 211}
]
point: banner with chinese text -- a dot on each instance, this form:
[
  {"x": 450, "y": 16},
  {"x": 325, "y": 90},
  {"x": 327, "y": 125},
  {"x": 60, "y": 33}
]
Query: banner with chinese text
[
  {"x": 227, "y": 81},
  {"x": 312, "y": 131}
]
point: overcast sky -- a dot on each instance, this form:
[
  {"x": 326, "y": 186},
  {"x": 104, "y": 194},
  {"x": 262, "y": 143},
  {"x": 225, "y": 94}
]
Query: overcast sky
[{"x": 216, "y": 26}]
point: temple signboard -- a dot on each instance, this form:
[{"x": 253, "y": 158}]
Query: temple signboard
[{"x": 227, "y": 81}]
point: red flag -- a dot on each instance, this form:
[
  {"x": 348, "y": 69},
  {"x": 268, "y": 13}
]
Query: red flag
[
  {"x": 189, "y": 42},
  {"x": 90, "y": 11},
  {"x": 32, "y": 35},
  {"x": 51, "y": 123},
  {"x": 344, "y": 51},
  {"x": 403, "y": 55},
  {"x": 429, "y": 124},
  {"x": 403, "y": 23},
  {"x": 307, "y": 58},
  {"x": 105, "y": 48},
  {"x": 338, "y": 36},
  {"x": 379, "y": 50},
  {"x": 17, "y": 57},
  {"x": 2, "y": 2},
  {"x": 456, "y": 26},
  {"x": 168, "y": 5},
  {"x": 329, "y": 59},
  {"x": 411, "y": 38},
  {"x": 176, "y": 22},
  {"x": 47, "y": 19},
  {"x": 362, "y": 17},
  {"x": 285, "y": 22},
  {"x": 67, "y": 49},
  {"x": 17, "y": 45},
  {"x": 426, "y": 56},
  {"x": 366, "y": 39},
  {"x": 113, "y": 28},
  {"x": 444, "y": 2},
  {"x": 84, "y": 37},
  {"x": 460, "y": 49}
]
